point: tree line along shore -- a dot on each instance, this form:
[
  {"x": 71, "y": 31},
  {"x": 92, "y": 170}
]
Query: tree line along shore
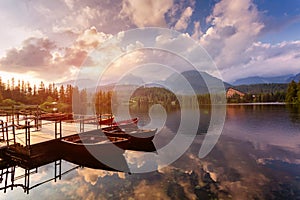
[{"x": 23, "y": 93}]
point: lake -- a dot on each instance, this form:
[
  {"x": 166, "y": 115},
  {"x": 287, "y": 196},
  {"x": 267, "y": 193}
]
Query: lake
[{"x": 256, "y": 157}]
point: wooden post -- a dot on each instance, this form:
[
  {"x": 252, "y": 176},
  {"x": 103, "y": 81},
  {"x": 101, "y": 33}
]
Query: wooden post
[
  {"x": 14, "y": 133},
  {"x": 12, "y": 176},
  {"x": 81, "y": 124},
  {"x": 18, "y": 118},
  {"x": 13, "y": 114},
  {"x": 2, "y": 130},
  {"x": 6, "y": 130},
  {"x": 6, "y": 177},
  {"x": 58, "y": 132},
  {"x": 39, "y": 123},
  {"x": 97, "y": 122},
  {"x": 55, "y": 129},
  {"x": 57, "y": 169},
  {"x": 27, "y": 134},
  {"x": 26, "y": 181},
  {"x": 60, "y": 129}
]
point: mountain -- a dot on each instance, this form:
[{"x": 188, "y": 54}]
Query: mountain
[
  {"x": 198, "y": 81},
  {"x": 267, "y": 80},
  {"x": 131, "y": 79},
  {"x": 158, "y": 85},
  {"x": 176, "y": 82},
  {"x": 295, "y": 78},
  {"x": 82, "y": 83},
  {"x": 262, "y": 88}
]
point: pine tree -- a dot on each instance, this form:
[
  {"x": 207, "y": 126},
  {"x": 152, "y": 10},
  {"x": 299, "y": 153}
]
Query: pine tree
[
  {"x": 69, "y": 94},
  {"x": 62, "y": 96},
  {"x": 291, "y": 95}
]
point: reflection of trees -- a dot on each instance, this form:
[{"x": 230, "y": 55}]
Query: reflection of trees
[{"x": 294, "y": 112}]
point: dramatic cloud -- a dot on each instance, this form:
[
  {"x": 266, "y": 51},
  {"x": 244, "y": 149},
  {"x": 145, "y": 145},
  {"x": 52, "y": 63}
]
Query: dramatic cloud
[
  {"x": 34, "y": 53},
  {"x": 232, "y": 43},
  {"x": 51, "y": 39},
  {"x": 146, "y": 13},
  {"x": 45, "y": 59},
  {"x": 183, "y": 22},
  {"x": 91, "y": 38},
  {"x": 235, "y": 26}
]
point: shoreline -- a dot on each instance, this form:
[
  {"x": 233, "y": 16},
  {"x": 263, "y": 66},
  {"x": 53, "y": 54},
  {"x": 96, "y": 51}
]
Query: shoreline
[{"x": 258, "y": 103}]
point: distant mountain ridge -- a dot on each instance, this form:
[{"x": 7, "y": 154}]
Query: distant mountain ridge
[
  {"x": 198, "y": 81},
  {"x": 266, "y": 80}
]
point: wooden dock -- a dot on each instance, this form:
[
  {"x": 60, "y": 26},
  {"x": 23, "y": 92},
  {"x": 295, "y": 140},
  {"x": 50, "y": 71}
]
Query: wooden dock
[{"x": 29, "y": 141}]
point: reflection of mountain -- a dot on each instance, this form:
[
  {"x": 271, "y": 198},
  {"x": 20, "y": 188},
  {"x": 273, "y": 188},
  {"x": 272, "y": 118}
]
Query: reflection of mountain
[{"x": 197, "y": 80}]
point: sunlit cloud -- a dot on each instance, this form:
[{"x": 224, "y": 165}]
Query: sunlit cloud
[
  {"x": 146, "y": 13},
  {"x": 51, "y": 40},
  {"x": 183, "y": 22}
]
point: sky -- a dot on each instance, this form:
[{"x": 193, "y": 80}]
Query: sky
[{"x": 51, "y": 40}]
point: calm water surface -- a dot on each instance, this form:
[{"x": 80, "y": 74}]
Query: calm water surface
[{"x": 256, "y": 157}]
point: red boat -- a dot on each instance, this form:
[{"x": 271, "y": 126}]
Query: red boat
[{"x": 106, "y": 119}]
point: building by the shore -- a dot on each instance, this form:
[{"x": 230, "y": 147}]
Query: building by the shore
[{"x": 233, "y": 92}]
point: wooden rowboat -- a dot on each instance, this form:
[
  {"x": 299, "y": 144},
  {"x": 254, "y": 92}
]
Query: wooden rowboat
[
  {"x": 96, "y": 151},
  {"x": 126, "y": 124},
  {"x": 134, "y": 135}
]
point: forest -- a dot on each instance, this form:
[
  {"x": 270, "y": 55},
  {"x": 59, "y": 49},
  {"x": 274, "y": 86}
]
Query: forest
[
  {"x": 23, "y": 93},
  {"x": 19, "y": 93}
]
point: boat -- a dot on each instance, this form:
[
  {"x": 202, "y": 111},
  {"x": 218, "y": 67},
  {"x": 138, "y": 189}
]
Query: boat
[
  {"x": 126, "y": 123},
  {"x": 133, "y": 143},
  {"x": 94, "y": 151},
  {"x": 106, "y": 119},
  {"x": 134, "y": 135},
  {"x": 96, "y": 142}
]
